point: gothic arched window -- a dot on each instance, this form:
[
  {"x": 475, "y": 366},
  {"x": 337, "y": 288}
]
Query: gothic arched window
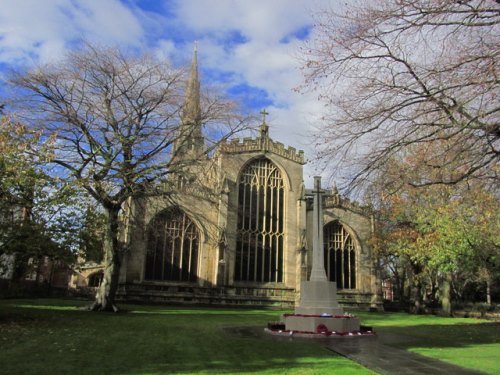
[
  {"x": 259, "y": 243},
  {"x": 173, "y": 242},
  {"x": 340, "y": 256}
]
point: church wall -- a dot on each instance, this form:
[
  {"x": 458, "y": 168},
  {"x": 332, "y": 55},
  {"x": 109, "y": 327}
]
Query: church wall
[
  {"x": 134, "y": 238},
  {"x": 210, "y": 213},
  {"x": 215, "y": 214},
  {"x": 202, "y": 210},
  {"x": 359, "y": 226}
]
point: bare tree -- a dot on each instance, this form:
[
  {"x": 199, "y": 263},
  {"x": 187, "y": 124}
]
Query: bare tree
[
  {"x": 117, "y": 119},
  {"x": 398, "y": 73}
]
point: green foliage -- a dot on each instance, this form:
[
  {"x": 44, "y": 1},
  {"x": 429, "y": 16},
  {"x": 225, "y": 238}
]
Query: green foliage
[
  {"x": 462, "y": 234},
  {"x": 18, "y": 182},
  {"x": 39, "y": 214},
  {"x": 427, "y": 232}
]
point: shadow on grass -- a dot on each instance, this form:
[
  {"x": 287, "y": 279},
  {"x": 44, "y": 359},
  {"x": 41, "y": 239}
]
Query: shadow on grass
[
  {"x": 445, "y": 336},
  {"x": 49, "y": 336}
]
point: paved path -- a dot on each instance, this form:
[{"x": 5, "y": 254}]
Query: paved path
[{"x": 372, "y": 352}]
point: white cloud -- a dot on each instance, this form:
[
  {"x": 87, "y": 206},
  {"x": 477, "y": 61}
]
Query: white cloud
[
  {"x": 34, "y": 30},
  {"x": 108, "y": 20},
  {"x": 264, "y": 20},
  {"x": 165, "y": 49}
]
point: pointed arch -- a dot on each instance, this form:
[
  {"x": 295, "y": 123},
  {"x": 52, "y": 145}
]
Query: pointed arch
[
  {"x": 340, "y": 255},
  {"x": 260, "y": 227},
  {"x": 173, "y": 247}
]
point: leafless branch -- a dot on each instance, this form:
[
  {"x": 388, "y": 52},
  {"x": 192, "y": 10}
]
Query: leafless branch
[{"x": 398, "y": 73}]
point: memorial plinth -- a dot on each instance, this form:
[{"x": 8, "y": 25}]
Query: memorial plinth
[
  {"x": 318, "y": 310},
  {"x": 321, "y": 324}
]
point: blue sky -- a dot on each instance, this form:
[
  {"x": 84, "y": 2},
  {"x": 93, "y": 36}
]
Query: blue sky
[{"x": 248, "y": 46}]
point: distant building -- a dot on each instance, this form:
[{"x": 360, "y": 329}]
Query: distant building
[
  {"x": 28, "y": 271},
  {"x": 7, "y": 266},
  {"x": 7, "y": 260},
  {"x": 247, "y": 239}
]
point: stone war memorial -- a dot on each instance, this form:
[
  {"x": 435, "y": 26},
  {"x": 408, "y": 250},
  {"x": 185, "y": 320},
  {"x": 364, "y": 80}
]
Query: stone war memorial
[
  {"x": 318, "y": 309},
  {"x": 242, "y": 233},
  {"x": 318, "y": 312}
]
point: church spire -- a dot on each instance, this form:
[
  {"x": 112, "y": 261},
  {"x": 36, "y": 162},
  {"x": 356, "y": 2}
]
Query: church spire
[
  {"x": 190, "y": 137},
  {"x": 191, "y": 111}
]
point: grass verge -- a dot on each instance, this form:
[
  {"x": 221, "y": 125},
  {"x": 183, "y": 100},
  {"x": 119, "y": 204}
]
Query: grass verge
[{"x": 465, "y": 342}]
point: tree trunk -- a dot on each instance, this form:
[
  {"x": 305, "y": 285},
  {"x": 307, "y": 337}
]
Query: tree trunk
[
  {"x": 445, "y": 292},
  {"x": 51, "y": 276},
  {"x": 417, "y": 295},
  {"x": 488, "y": 290},
  {"x": 105, "y": 296},
  {"x": 399, "y": 288}
]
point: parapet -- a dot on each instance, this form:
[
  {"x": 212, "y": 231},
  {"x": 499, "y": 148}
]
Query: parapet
[
  {"x": 264, "y": 145},
  {"x": 337, "y": 201}
]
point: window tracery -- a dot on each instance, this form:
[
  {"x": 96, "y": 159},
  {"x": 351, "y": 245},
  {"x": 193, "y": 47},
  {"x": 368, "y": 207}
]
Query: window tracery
[
  {"x": 259, "y": 244},
  {"x": 340, "y": 256},
  {"x": 173, "y": 242}
]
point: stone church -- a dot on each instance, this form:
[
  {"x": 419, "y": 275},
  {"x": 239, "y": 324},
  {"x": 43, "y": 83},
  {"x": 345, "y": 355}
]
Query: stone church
[{"x": 246, "y": 240}]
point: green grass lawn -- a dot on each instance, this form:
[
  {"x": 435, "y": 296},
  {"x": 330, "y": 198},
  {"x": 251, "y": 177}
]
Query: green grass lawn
[{"x": 54, "y": 337}]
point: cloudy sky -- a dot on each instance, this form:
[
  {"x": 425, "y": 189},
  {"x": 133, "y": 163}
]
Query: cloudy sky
[{"x": 248, "y": 46}]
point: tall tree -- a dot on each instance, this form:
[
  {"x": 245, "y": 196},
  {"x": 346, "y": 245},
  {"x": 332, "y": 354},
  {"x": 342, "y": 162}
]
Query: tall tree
[
  {"x": 462, "y": 235},
  {"x": 437, "y": 230},
  {"x": 117, "y": 122},
  {"x": 395, "y": 73}
]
